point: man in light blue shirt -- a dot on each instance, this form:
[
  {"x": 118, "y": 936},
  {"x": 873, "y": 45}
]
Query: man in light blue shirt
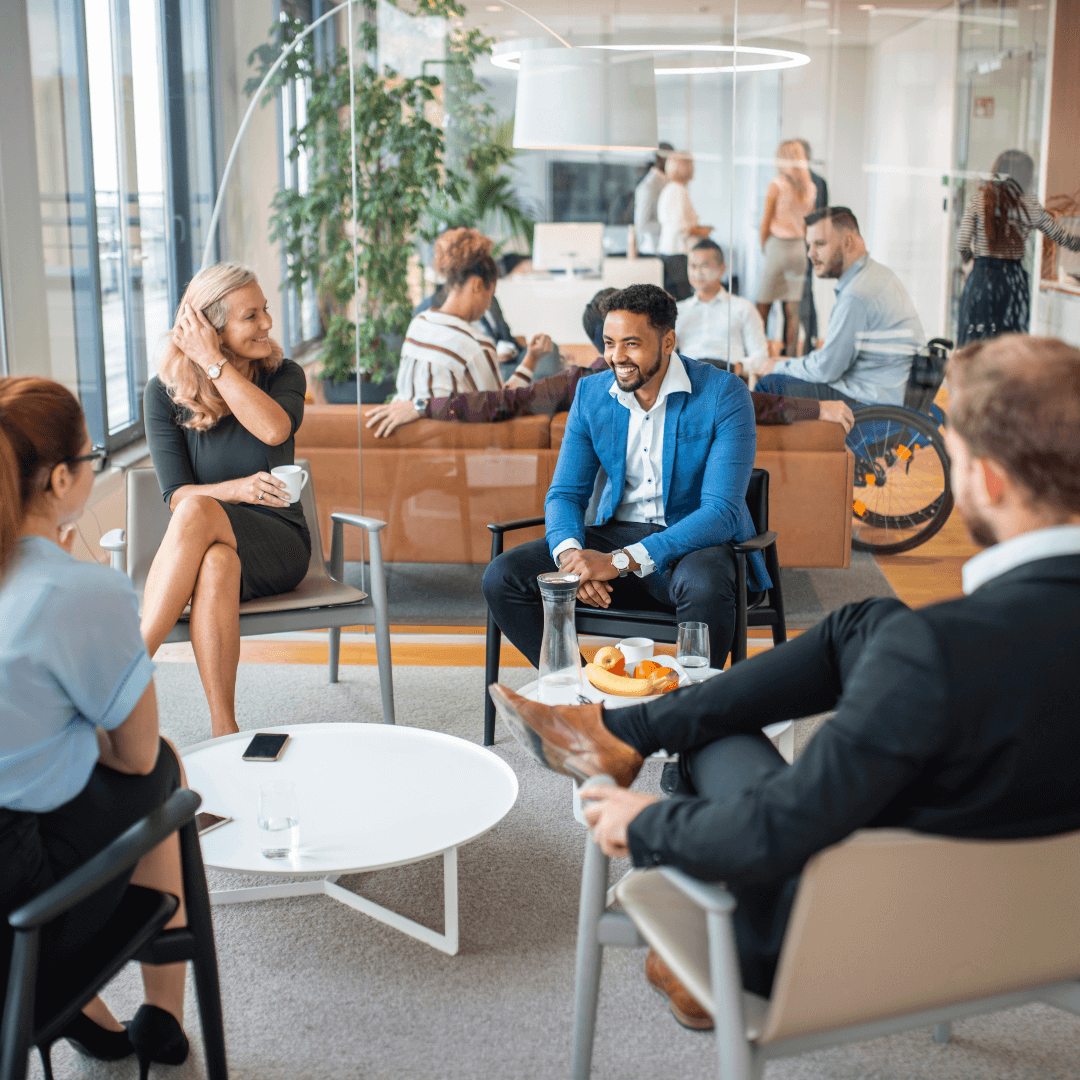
[{"x": 873, "y": 330}]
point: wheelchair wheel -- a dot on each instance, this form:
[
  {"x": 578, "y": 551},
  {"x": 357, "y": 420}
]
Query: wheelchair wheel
[{"x": 902, "y": 494}]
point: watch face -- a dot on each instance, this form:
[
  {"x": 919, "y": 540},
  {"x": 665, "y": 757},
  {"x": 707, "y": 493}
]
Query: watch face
[
  {"x": 620, "y": 560},
  {"x": 214, "y": 370}
]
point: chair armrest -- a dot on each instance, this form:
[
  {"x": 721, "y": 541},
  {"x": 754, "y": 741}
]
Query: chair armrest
[
  {"x": 373, "y": 525},
  {"x": 114, "y": 540},
  {"x": 709, "y": 896},
  {"x": 126, "y": 850},
  {"x": 521, "y": 523},
  {"x": 759, "y": 543}
]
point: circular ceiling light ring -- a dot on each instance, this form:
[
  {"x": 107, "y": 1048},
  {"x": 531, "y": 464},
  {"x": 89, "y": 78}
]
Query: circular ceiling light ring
[{"x": 510, "y": 59}]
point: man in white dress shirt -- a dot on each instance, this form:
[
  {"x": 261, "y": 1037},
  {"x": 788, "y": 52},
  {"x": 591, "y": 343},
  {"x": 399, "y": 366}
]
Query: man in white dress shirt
[
  {"x": 646, "y": 194},
  {"x": 723, "y": 330}
]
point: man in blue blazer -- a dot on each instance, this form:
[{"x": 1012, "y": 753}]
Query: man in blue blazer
[{"x": 676, "y": 440}]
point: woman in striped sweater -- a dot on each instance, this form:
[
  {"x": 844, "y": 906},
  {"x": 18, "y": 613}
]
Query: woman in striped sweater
[
  {"x": 996, "y": 224},
  {"x": 442, "y": 353}
]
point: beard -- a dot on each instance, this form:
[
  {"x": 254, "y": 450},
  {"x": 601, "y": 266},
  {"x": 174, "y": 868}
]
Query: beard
[
  {"x": 978, "y": 529},
  {"x": 641, "y": 376},
  {"x": 833, "y": 268}
]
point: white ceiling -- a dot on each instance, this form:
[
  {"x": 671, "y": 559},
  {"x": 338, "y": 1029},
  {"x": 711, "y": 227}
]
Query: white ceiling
[{"x": 806, "y": 22}]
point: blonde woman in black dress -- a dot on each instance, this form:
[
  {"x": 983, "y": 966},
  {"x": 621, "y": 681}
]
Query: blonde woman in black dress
[{"x": 219, "y": 416}]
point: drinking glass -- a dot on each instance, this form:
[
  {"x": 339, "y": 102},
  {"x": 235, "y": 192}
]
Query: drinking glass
[
  {"x": 692, "y": 648},
  {"x": 279, "y": 818}
]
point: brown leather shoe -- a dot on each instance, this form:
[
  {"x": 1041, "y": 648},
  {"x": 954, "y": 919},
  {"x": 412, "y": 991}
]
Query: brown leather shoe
[
  {"x": 683, "y": 1007},
  {"x": 569, "y": 739}
]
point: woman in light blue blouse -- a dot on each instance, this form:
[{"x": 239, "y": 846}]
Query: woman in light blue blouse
[{"x": 80, "y": 755}]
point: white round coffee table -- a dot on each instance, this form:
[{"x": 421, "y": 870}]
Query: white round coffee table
[{"x": 370, "y": 796}]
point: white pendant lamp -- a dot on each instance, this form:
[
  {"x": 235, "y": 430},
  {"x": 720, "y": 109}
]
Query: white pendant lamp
[{"x": 585, "y": 99}]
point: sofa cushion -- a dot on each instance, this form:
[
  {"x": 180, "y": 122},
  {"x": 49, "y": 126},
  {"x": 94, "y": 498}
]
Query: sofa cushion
[
  {"x": 335, "y": 426},
  {"x": 802, "y": 435}
]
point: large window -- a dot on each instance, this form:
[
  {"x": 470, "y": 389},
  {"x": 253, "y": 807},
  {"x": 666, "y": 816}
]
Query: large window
[{"x": 125, "y": 166}]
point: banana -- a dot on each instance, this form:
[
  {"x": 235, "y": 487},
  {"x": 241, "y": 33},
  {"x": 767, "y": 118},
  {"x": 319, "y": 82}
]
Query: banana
[
  {"x": 626, "y": 687},
  {"x": 610, "y": 659}
]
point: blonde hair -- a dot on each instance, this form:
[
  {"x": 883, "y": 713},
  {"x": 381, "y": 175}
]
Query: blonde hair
[
  {"x": 187, "y": 383},
  {"x": 679, "y": 167},
  {"x": 791, "y": 164}
]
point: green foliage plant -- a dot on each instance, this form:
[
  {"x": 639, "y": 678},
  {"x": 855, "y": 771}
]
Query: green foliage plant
[{"x": 400, "y": 174}]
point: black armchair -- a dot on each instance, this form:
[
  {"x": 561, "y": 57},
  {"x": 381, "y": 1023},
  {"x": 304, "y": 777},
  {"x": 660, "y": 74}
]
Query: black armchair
[
  {"x": 751, "y": 608},
  {"x": 35, "y": 1015}
]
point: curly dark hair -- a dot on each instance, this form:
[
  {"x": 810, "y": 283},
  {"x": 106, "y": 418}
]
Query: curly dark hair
[
  {"x": 464, "y": 253},
  {"x": 648, "y": 300}
]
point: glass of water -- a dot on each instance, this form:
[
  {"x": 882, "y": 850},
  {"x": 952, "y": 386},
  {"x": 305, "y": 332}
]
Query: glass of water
[
  {"x": 279, "y": 819},
  {"x": 692, "y": 648}
]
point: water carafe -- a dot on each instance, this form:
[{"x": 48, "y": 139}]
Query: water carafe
[{"x": 560, "y": 660}]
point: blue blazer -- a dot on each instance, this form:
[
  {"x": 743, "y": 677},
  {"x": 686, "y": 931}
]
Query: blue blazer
[{"x": 709, "y": 445}]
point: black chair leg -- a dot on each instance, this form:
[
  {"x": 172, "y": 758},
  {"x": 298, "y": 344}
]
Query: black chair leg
[
  {"x": 776, "y": 595},
  {"x": 45, "y": 1053},
  {"x": 204, "y": 962},
  {"x": 493, "y": 655},
  {"x": 738, "y": 642}
]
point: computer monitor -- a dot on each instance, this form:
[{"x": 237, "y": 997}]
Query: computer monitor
[{"x": 568, "y": 245}]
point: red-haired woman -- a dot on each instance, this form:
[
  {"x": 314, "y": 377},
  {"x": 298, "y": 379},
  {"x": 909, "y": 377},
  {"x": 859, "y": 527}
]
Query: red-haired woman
[
  {"x": 219, "y": 416},
  {"x": 80, "y": 755},
  {"x": 995, "y": 227}
]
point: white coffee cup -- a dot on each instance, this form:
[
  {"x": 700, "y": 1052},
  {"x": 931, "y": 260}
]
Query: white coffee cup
[
  {"x": 294, "y": 478},
  {"x": 636, "y": 649}
]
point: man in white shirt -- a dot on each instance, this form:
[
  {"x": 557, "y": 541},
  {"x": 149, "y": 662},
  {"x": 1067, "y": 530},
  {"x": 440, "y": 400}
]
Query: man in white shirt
[
  {"x": 723, "y": 330},
  {"x": 676, "y": 440},
  {"x": 646, "y": 194}
]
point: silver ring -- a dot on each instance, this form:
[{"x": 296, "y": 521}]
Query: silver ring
[{"x": 260, "y": 496}]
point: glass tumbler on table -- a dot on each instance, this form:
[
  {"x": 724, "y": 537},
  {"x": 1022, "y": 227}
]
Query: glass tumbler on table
[
  {"x": 692, "y": 648},
  {"x": 560, "y": 659},
  {"x": 279, "y": 819}
]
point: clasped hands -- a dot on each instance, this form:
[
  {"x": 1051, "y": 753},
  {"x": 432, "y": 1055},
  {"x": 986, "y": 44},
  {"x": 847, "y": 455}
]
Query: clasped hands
[{"x": 595, "y": 569}]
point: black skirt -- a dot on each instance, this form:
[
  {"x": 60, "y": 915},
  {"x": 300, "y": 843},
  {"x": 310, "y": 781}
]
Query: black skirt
[
  {"x": 274, "y": 553},
  {"x": 38, "y": 850},
  {"x": 996, "y": 300}
]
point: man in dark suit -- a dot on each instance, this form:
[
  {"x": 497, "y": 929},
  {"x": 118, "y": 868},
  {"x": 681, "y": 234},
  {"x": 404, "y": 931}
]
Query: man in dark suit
[{"x": 958, "y": 719}]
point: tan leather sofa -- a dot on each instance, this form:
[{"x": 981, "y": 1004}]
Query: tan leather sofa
[{"x": 437, "y": 484}]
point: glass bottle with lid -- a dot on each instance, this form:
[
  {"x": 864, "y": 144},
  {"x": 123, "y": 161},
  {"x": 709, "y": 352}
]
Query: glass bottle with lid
[{"x": 560, "y": 658}]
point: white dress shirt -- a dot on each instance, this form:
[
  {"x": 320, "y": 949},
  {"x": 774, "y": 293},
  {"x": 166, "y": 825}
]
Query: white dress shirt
[
  {"x": 704, "y": 326},
  {"x": 1025, "y": 548},
  {"x": 677, "y": 214},
  {"x": 646, "y": 223},
  {"x": 643, "y": 489}
]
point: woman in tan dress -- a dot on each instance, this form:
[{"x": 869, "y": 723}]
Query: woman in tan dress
[{"x": 789, "y": 199}]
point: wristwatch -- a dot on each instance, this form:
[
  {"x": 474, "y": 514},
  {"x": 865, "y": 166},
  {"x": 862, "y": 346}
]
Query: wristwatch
[
  {"x": 214, "y": 370},
  {"x": 420, "y": 404},
  {"x": 621, "y": 561}
]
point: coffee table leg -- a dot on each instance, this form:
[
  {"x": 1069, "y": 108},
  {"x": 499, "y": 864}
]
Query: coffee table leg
[{"x": 446, "y": 942}]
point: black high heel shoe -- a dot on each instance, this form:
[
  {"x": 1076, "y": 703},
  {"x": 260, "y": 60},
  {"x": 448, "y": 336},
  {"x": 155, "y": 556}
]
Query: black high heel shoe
[
  {"x": 92, "y": 1040},
  {"x": 157, "y": 1037}
]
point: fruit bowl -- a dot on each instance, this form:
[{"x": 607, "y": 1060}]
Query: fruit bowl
[{"x": 618, "y": 701}]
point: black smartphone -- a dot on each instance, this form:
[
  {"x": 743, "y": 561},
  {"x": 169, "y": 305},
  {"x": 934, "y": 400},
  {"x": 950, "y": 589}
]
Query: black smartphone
[
  {"x": 265, "y": 747},
  {"x": 206, "y": 822}
]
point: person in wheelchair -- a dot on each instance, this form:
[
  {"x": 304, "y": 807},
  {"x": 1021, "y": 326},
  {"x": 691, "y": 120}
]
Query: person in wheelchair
[
  {"x": 873, "y": 330},
  {"x": 676, "y": 439},
  {"x": 957, "y": 719}
]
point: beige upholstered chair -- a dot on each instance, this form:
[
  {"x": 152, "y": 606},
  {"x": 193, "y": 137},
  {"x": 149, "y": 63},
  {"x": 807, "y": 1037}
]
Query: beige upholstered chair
[
  {"x": 890, "y": 930},
  {"x": 321, "y": 601}
]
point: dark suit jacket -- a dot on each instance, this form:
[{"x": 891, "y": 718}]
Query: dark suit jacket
[{"x": 960, "y": 719}]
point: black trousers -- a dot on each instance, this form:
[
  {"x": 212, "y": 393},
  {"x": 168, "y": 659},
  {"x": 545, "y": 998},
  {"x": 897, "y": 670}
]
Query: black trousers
[
  {"x": 715, "y": 727},
  {"x": 38, "y": 850},
  {"x": 700, "y": 587}
]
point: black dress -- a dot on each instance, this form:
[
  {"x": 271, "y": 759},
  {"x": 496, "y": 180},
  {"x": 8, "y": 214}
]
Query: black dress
[{"x": 273, "y": 542}]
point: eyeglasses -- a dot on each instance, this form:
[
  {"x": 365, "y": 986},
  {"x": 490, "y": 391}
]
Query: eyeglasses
[{"x": 97, "y": 457}]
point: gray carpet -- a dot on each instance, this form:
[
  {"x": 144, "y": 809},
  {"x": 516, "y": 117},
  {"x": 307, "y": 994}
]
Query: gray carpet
[
  {"x": 314, "y": 989},
  {"x": 449, "y": 593}
]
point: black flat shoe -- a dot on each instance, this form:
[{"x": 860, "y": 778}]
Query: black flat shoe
[
  {"x": 157, "y": 1037},
  {"x": 92, "y": 1040}
]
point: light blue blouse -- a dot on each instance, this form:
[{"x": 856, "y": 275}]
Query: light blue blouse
[{"x": 71, "y": 658}]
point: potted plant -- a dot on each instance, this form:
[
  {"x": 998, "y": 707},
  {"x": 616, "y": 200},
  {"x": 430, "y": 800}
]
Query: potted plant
[{"x": 400, "y": 174}]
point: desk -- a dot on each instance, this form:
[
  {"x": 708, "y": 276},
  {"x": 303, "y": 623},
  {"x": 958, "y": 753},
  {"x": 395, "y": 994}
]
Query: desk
[{"x": 553, "y": 303}]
